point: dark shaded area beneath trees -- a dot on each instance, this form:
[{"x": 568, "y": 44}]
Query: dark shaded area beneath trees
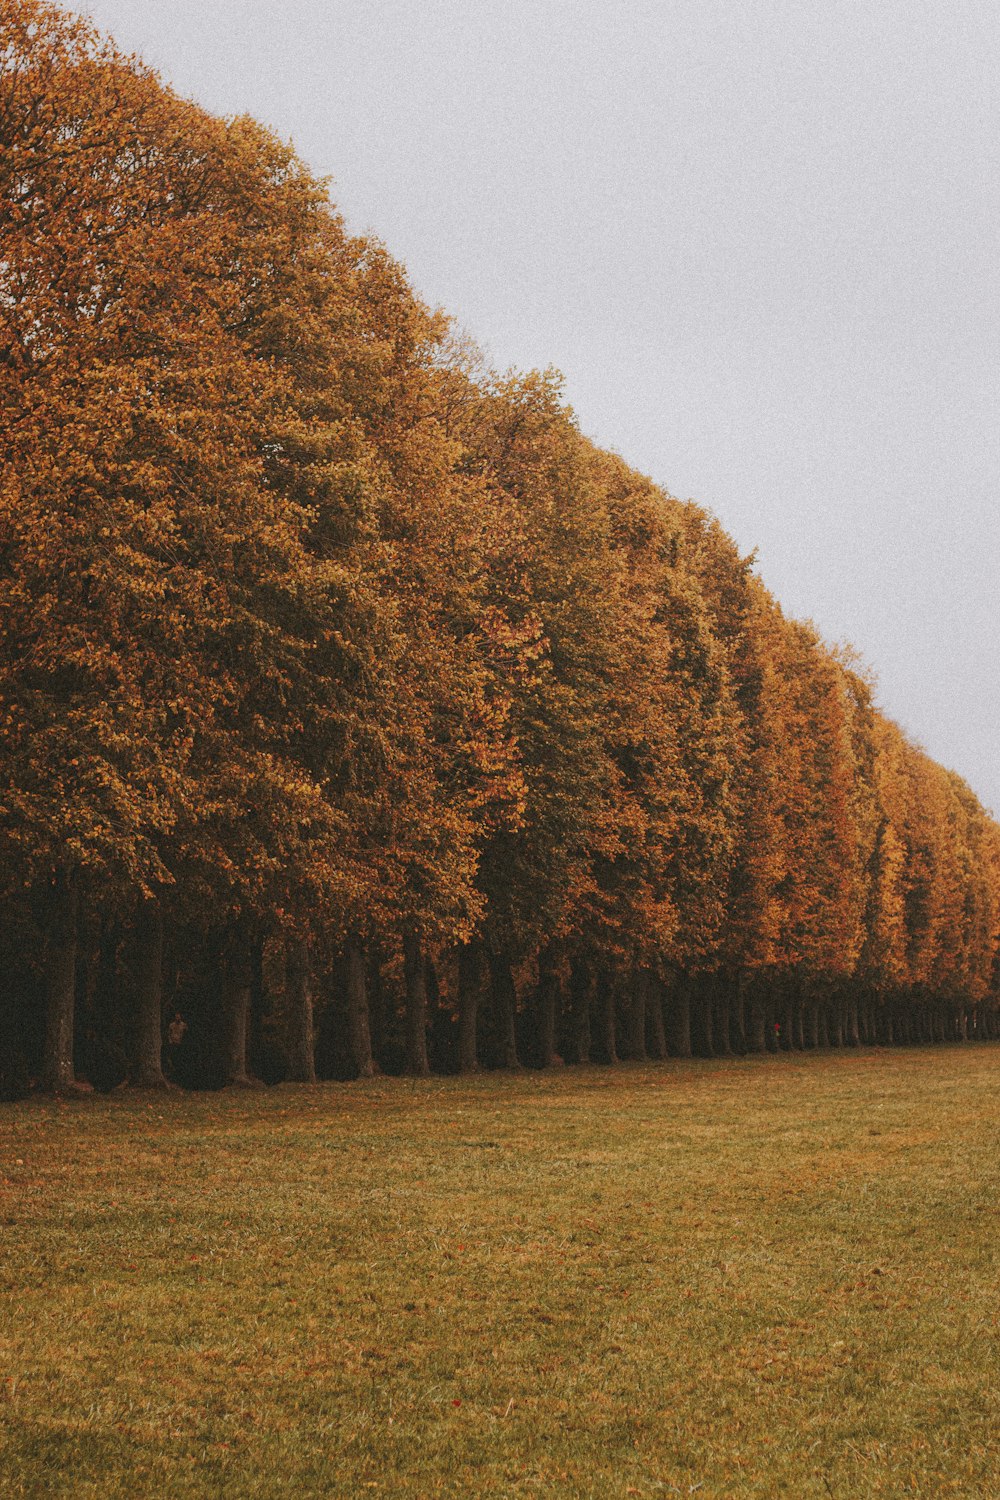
[{"x": 150, "y": 1008}]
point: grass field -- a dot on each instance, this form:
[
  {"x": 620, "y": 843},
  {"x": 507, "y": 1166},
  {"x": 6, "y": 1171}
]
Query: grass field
[{"x": 773, "y": 1276}]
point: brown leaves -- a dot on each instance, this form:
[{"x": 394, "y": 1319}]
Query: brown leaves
[{"x": 305, "y": 609}]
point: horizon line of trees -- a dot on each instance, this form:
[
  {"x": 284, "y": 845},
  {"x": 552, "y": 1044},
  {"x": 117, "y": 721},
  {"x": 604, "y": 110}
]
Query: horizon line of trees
[{"x": 356, "y": 711}]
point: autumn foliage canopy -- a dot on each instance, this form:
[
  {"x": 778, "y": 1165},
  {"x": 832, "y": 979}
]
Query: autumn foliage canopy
[{"x": 354, "y": 706}]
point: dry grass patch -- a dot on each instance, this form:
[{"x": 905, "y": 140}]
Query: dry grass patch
[{"x": 776, "y": 1276}]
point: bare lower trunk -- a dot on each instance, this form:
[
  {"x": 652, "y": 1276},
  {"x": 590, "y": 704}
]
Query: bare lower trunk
[
  {"x": 378, "y": 1020},
  {"x": 798, "y": 1020},
  {"x": 607, "y": 990},
  {"x": 654, "y": 1017},
  {"x": 147, "y": 1056},
  {"x": 737, "y": 1013},
  {"x": 756, "y": 1020},
  {"x": 417, "y": 1063},
  {"x": 581, "y": 985},
  {"x": 505, "y": 1001},
  {"x": 720, "y": 1004},
  {"x": 299, "y": 1037},
  {"x": 356, "y": 999},
  {"x": 679, "y": 1016},
  {"x": 470, "y": 987},
  {"x": 547, "y": 1002},
  {"x": 60, "y": 984},
  {"x": 701, "y": 1016},
  {"x": 852, "y": 1033},
  {"x": 638, "y": 998},
  {"x": 235, "y": 1013},
  {"x": 823, "y": 1027},
  {"x": 810, "y": 1024},
  {"x": 788, "y": 1004},
  {"x": 835, "y": 1022}
]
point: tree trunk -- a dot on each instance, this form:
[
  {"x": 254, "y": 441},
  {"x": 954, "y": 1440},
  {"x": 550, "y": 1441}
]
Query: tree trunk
[
  {"x": 810, "y": 1023},
  {"x": 236, "y": 987},
  {"x": 702, "y": 1005},
  {"x": 259, "y": 1003},
  {"x": 679, "y": 1017},
  {"x": 720, "y": 999},
  {"x": 835, "y": 1022},
  {"x": 356, "y": 998},
  {"x": 505, "y": 1003},
  {"x": 852, "y": 1036},
  {"x": 417, "y": 1063},
  {"x": 147, "y": 1056},
  {"x": 788, "y": 1004},
  {"x": 771, "y": 1017},
  {"x": 737, "y": 1013},
  {"x": 638, "y": 998},
  {"x": 798, "y": 1019},
  {"x": 757, "y": 1019},
  {"x": 300, "y": 1040},
  {"x": 607, "y": 994},
  {"x": 547, "y": 1002},
  {"x": 657, "y": 1043},
  {"x": 470, "y": 986},
  {"x": 581, "y": 987},
  {"x": 378, "y": 1023},
  {"x": 60, "y": 984}
]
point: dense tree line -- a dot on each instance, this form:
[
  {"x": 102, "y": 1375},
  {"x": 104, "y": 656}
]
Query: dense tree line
[{"x": 356, "y": 712}]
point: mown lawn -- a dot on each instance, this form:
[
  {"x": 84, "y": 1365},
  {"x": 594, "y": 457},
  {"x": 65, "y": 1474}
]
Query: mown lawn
[{"x": 774, "y": 1276}]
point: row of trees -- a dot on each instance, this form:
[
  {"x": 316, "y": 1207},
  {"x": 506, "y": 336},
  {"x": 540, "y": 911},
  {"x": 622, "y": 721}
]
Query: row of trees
[{"x": 346, "y": 687}]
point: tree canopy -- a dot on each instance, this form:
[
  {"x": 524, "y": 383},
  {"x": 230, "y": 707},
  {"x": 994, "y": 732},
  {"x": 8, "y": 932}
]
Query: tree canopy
[{"x": 344, "y": 684}]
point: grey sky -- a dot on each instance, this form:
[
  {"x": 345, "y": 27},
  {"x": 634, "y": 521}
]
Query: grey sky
[{"x": 760, "y": 239}]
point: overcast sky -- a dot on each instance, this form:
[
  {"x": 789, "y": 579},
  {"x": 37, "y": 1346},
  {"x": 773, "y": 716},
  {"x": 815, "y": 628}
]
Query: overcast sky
[{"x": 760, "y": 238}]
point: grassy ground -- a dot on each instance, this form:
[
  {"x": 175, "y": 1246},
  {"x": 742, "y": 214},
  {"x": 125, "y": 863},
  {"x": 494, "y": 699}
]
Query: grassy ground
[{"x": 768, "y": 1277}]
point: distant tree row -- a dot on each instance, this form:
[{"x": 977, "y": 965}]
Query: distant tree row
[{"x": 355, "y": 710}]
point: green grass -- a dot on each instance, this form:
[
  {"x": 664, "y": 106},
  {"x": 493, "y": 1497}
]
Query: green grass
[{"x": 775, "y": 1276}]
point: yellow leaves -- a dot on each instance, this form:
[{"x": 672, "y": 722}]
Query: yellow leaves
[{"x": 300, "y": 601}]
